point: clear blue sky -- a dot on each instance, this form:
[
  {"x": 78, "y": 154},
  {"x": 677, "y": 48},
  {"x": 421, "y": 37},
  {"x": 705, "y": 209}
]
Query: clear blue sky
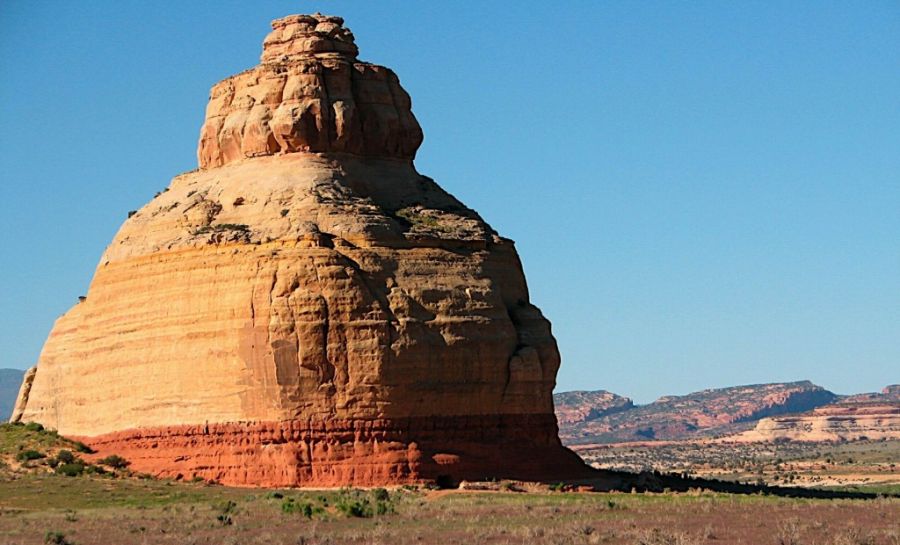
[{"x": 703, "y": 193}]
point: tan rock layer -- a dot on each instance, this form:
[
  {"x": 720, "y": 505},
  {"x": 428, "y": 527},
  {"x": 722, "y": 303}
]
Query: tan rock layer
[
  {"x": 310, "y": 94},
  {"x": 303, "y": 36},
  {"x": 265, "y": 332},
  {"x": 833, "y": 423},
  {"x": 340, "y": 287},
  {"x": 340, "y": 452}
]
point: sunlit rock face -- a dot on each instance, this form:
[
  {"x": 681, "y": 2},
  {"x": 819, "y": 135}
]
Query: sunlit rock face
[
  {"x": 310, "y": 93},
  {"x": 306, "y": 309}
]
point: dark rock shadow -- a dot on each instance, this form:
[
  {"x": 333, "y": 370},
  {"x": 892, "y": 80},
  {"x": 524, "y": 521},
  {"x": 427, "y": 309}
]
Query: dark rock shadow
[{"x": 647, "y": 481}]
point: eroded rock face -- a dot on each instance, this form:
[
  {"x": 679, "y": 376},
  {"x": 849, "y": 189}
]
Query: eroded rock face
[
  {"x": 872, "y": 416},
  {"x": 707, "y": 413},
  {"x": 307, "y": 309},
  {"x": 309, "y": 94},
  {"x": 580, "y": 406}
]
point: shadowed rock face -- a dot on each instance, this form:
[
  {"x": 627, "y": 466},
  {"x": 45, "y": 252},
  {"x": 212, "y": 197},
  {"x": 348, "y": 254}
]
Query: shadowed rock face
[{"x": 307, "y": 309}]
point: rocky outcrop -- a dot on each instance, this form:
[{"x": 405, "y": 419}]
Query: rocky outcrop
[
  {"x": 701, "y": 414},
  {"x": 870, "y": 416},
  {"x": 889, "y": 394},
  {"x": 834, "y": 423},
  {"x": 306, "y": 308},
  {"x": 334, "y": 452},
  {"x": 309, "y": 94},
  {"x": 580, "y": 406}
]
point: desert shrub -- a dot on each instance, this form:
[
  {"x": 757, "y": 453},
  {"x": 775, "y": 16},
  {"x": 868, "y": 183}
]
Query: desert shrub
[
  {"x": 381, "y": 494},
  {"x": 355, "y": 508},
  {"x": 28, "y": 455},
  {"x": 305, "y": 508},
  {"x": 383, "y": 508},
  {"x": 81, "y": 447},
  {"x": 34, "y": 426},
  {"x": 94, "y": 470},
  {"x": 225, "y": 511},
  {"x": 56, "y": 538},
  {"x": 240, "y": 227},
  {"x": 65, "y": 457},
  {"x": 233, "y": 227},
  {"x": 413, "y": 216},
  {"x": 115, "y": 461},
  {"x": 358, "y": 504},
  {"x": 70, "y": 470}
]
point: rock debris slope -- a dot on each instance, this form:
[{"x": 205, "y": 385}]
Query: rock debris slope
[{"x": 306, "y": 308}]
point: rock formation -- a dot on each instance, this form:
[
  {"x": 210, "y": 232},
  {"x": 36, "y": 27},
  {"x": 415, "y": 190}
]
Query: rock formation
[
  {"x": 580, "y": 406},
  {"x": 872, "y": 416},
  {"x": 306, "y": 308},
  {"x": 707, "y": 413},
  {"x": 831, "y": 423}
]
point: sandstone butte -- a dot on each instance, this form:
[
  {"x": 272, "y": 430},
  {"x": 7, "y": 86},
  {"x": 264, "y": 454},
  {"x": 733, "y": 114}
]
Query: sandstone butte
[{"x": 306, "y": 309}]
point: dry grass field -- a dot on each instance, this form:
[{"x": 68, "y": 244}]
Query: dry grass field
[
  {"x": 44, "y": 501},
  {"x": 84, "y": 510}
]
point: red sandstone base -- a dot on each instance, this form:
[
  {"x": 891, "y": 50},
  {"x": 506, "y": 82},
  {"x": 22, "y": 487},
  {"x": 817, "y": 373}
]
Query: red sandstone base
[{"x": 351, "y": 452}]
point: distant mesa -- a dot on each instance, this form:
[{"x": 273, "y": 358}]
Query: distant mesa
[
  {"x": 581, "y": 406},
  {"x": 306, "y": 309},
  {"x": 795, "y": 411},
  {"x": 701, "y": 414},
  {"x": 871, "y": 416}
]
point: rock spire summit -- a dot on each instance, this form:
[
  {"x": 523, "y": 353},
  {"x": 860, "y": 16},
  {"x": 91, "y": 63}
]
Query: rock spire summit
[
  {"x": 304, "y": 36},
  {"x": 309, "y": 94}
]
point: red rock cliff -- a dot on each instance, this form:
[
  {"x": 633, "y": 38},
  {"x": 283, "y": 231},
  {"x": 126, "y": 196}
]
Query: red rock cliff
[{"x": 307, "y": 309}]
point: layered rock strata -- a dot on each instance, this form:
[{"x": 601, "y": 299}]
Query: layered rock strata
[
  {"x": 310, "y": 93},
  {"x": 306, "y": 309},
  {"x": 835, "y": 423},
  {"x": 714, "y": 412},
  {"x": 871, "y": 416}
]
